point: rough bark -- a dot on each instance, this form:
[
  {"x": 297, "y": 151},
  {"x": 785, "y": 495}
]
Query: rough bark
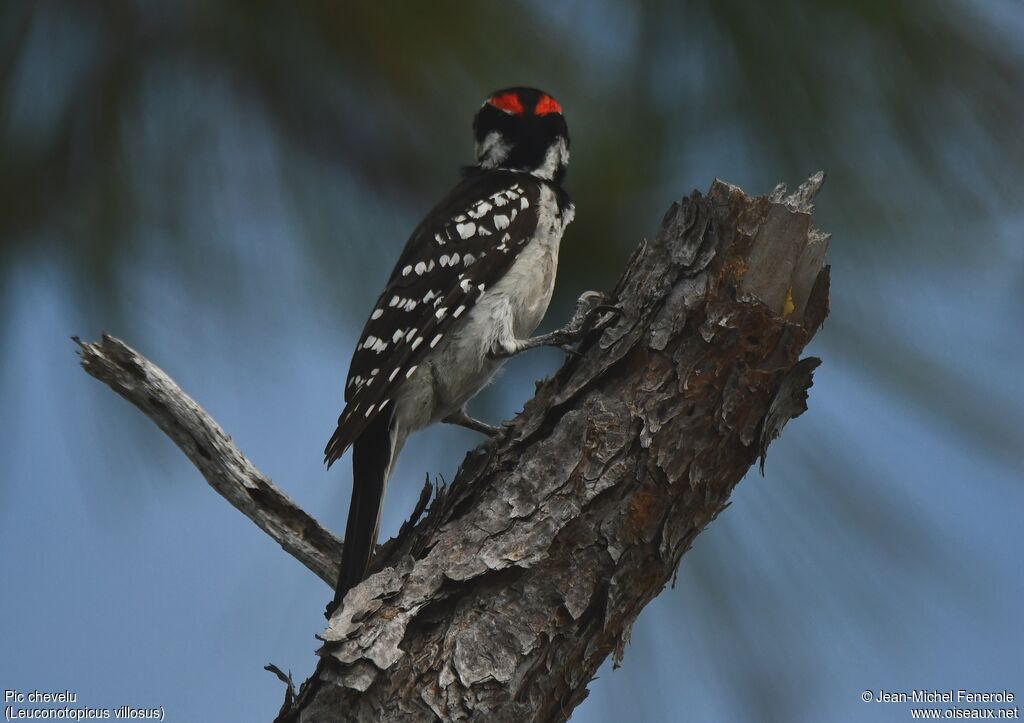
[{"x": 530, "y": 568}]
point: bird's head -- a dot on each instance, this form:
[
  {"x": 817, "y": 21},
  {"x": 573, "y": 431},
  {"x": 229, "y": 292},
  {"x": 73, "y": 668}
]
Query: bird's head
[{"x": 522, "y": 129}]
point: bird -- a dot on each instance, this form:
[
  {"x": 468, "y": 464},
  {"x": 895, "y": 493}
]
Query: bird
[{"x": 473, "y": 281}]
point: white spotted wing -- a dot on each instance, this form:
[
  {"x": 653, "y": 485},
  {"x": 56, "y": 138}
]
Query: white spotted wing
[{"x": 462, "y": 248}]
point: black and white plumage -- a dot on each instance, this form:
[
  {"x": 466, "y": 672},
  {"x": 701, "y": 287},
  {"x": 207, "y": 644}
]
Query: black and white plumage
[{"x": 472, "y": 283}]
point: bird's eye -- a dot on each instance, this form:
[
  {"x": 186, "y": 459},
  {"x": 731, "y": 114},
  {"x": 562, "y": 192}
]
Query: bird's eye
[
  {"x": 546, "y": 105},
  {"x": 507, "y": 102}
]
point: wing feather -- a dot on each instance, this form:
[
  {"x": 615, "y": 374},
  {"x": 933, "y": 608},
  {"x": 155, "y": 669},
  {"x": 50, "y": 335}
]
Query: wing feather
[{"x": 462, "y": 248}]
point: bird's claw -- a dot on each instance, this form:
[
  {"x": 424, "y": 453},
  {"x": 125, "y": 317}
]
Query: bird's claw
[
  {"x": 593, "y": 313},
  {"x": 610, "y": 312},
  {"x": 590, "y": 308}
]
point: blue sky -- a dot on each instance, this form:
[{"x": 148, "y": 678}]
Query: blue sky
[
  {"x": 129, "y": 581},
  {"x": 880, "y": 550}
]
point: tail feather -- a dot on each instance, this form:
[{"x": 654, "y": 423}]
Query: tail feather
[
  {"x": 372, "y": 454},
  {"x": 339, "y": 441}
]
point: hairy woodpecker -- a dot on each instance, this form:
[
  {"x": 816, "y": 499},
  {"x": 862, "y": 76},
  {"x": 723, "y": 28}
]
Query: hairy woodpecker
[{"x": 471, "y": 285}]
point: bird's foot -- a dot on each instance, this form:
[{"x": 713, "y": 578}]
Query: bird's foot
[
  {"x": 463, "y": 419},
  {"x": 593, "y": 313}
]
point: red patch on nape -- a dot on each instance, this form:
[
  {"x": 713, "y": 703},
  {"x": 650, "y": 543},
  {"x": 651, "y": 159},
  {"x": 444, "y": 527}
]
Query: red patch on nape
[
  {"x": 546, "y": 105},
  {"x": 508, "y": 102}
]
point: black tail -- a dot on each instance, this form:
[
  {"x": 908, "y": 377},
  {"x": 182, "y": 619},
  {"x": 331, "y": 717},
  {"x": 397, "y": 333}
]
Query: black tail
[{"x": 371, "y": 459}]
